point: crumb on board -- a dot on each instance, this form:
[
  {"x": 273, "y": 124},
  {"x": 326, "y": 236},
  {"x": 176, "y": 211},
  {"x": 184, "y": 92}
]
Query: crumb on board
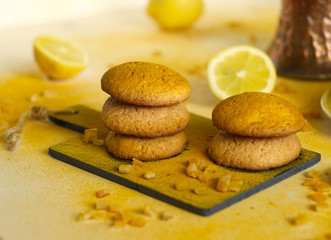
[
  {"x": 124, "y": 168},
  {"x": 223, "y": 183},
  {"x": 102, "y": 205},
  {"x": 300, "y": 219},
  {"x": 102, "y": 193},
  {"x": 200, "y": 190},
  {"x": 149, "y": 175},
  {"x": 138, "y": 221},
  {"x": 148, "y": 211},
  {"x": 166, "y": 216},
  {"x": 137, "y": 162}
]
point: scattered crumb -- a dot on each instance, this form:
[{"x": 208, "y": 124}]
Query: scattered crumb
[
  {"x": 157, "y": 53},
  {"x": 165, "y": 216},
  {"x": 124, "y": 168},
  {"x": 301, "y": 218},
  {"x": 90, "y": 135},
  {"x": 234, "y": 25},
  {"x": 149, "y": 175},
  {"x": 102, "y": 193},
  {"x": 205, "y": 177},
  {"x": 138, "y": 221},
  {"x": 252, "y": 38},
  {"x": 198, "y": 71},
  {"x": 137, "y": 162},
  {"x": 115, "y": 208},
  {"x": 235, "y": 186},
  {"x": 98, "y": 142},
  {"x": 102, "y": 205},
  {"x": 314, "y": 174},
  {"x": 91, "y": 216},
  {"x": 321, "y": 206},
  {"x": 318, "y": 197},
  {"x": 322, "y": 187},
  {"x": 148, "y": 211},
  {"x": 192, "y": 170},
  {"x": 223, "y": 183}
]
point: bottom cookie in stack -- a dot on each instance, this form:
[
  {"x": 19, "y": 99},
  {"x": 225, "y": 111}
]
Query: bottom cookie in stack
[{"x": 257, "y": 132}]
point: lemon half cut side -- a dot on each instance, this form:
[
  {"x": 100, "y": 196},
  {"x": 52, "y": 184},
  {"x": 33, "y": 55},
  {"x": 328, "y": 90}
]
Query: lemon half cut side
[
  {"x": 240, "y": 69},
  {"x": 326, "y": 102},
  {"x": 59, "y": 58}
]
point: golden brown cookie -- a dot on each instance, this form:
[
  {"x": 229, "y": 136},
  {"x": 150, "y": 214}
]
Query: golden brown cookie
[
  {"x": 144, "y": 121},
  {"x": 146, "y": 84},
  {"x": 145, "y": 149},
  {"x": 253, "y": 153},
  {"x": 257, "y": 114}
]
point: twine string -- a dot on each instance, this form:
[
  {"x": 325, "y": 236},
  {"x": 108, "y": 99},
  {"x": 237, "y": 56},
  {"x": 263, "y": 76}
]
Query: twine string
[{"x": 13, "y": 135}]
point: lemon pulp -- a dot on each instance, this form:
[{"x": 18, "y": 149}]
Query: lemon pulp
[
  {"x": 240, "y": 69},
  {"x": 59, "y": 58},
  {"x": 326, "y": 102}
]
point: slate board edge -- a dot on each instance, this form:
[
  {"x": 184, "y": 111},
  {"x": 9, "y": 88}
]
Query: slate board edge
[{"x": 177, "y": 203}]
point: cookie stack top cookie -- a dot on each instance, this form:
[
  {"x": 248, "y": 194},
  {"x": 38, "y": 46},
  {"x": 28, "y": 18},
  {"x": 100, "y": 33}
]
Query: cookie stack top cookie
[
  {"x": 145, "y": 84},
  {"x": 257, "y": 114}
]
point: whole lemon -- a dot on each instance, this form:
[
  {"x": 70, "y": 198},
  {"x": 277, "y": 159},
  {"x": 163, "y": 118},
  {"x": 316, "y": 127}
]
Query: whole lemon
[{"x": 175, "y": 14}]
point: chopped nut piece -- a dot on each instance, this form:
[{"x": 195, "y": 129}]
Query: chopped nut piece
[
  {"x": 93, "y": 216},
  {"x": 124, "y": 168},
  {"x": 98, "y": 142},
  {"x": 137, "y": 162},
  {"x": 210, "y": 169},
  {"x": 302, "y": 218},
  {"x": 205, "y": 177},
  {"x": 116, "y": 209},
  {"x": 119, "y": 223},
  {"x": 138, "y": 221},
  {"x": 147, "y": 210},
  {"x": 90, "y": 135},
  {"x": 314, "y": 174},
  {"x": 235, "y": 186},
  {"x": 102, "y": 205},
  {"x": 149, "y": 175},
  {"x": 102, "y": 193},
  {"x": 223, "y": 183},
  {"x": 318, "y": 197},
  {"x": 165, "y": 216},
  {"x": 126, "y": 215},
  {"x": 199, "y": 162},
  {"x": 200, "y": 191},
  {"x": 192, "y": 170},
  {"x": 310, "y": 183},
  {"x": 34, "y": 97},
  {"x": 320, "y": 206},
  {"x": 322, "y": 187}
]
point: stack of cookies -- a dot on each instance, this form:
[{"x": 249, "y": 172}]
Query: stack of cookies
[
  {"x": 145, "y": 112},
  {"x": 257, "y": 131}
]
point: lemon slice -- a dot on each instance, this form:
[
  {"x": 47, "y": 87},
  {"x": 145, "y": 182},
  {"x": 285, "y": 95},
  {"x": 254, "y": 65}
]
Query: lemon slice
[
  {"x": 59, "y": 58},
  {"x": 240, "y": 69},
  {"x": 326, "y": 102}
]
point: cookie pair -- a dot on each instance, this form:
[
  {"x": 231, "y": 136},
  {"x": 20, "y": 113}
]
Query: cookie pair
[
  {"x": 257, "y": 131},
  {"x": 145, "y": 112}
]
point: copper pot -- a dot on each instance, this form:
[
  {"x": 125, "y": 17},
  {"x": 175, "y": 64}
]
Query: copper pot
[{"x": 302, "y": 44}]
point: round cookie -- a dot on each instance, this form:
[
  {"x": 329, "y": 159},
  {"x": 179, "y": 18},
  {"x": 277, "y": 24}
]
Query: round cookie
[
  {"x": 144, "y": 121},
  {"x": 253, "y": 153},
  {"x": 145, "y": 149},
  {"x": 257, "y": 114},
  {"x": 146, "y": 84}
]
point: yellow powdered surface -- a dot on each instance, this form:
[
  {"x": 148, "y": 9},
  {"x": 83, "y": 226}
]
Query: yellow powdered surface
[{"x": 41, "y": 197}]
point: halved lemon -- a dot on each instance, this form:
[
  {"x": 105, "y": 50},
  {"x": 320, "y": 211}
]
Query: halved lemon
[
  {"x": 240, "y": 69},
  {"x": 59, "y": 58},
  {"x": 326, "y": 102}
]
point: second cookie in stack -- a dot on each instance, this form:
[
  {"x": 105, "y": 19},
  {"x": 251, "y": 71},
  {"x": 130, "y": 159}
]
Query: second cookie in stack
[{"x": 145, "y": 112}]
